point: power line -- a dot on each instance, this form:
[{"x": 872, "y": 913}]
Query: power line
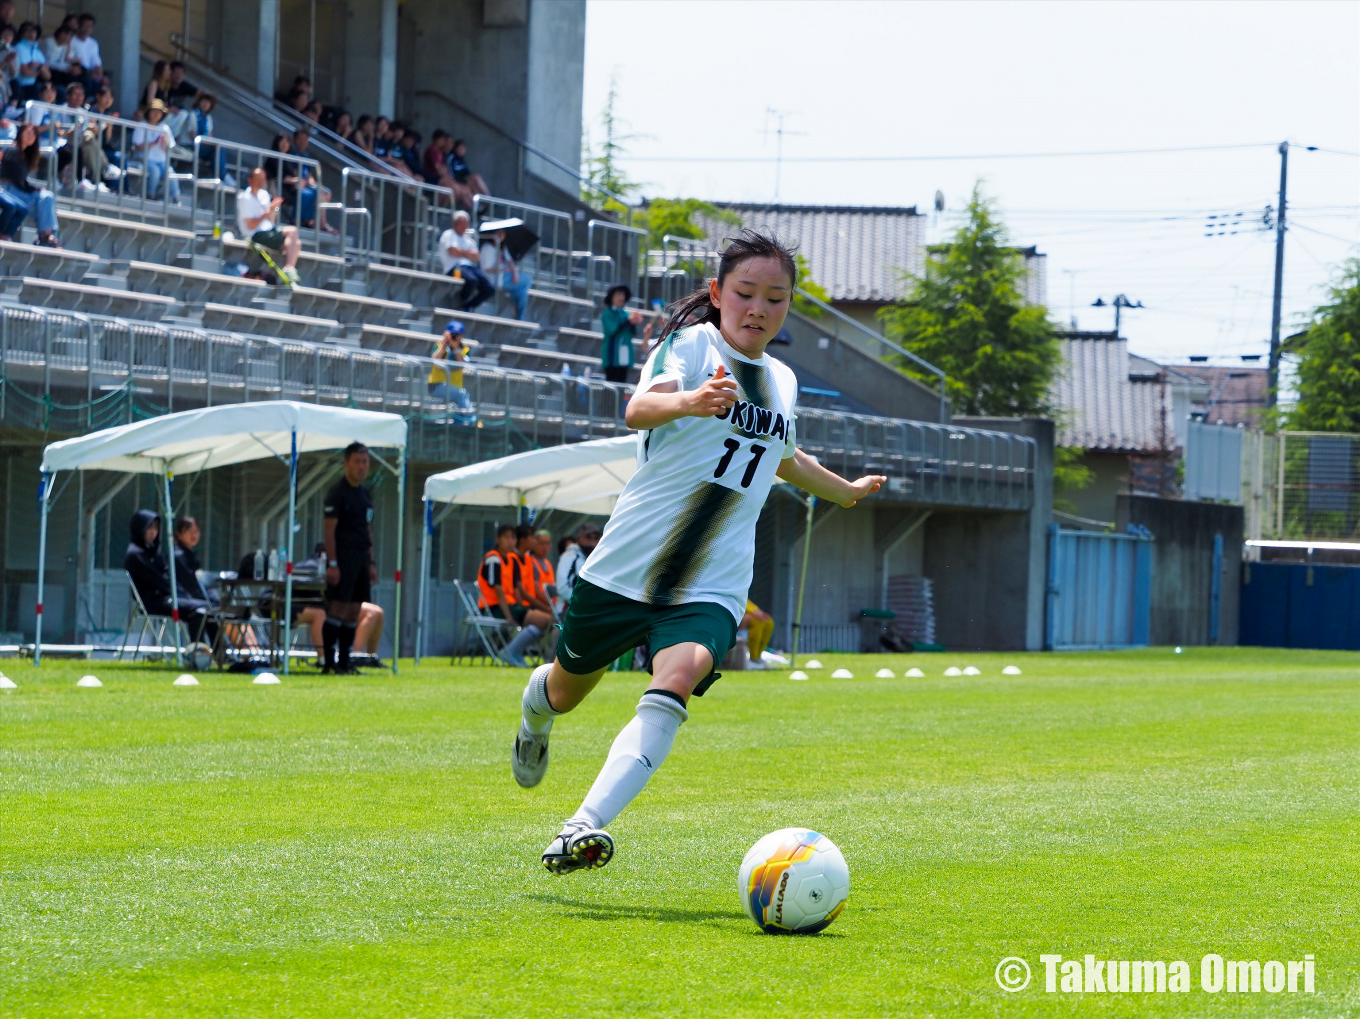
[
  {"x": 931, "y": 159},
  {"x": 1296, "y": 225}
]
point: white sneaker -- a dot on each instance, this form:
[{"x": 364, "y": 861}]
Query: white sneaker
[
  {"x": 85, "y": 186},
  {"x": 529, "y": 758},
  {"x": 229, "y": 180},
  {"x": 578, "y": 847}
]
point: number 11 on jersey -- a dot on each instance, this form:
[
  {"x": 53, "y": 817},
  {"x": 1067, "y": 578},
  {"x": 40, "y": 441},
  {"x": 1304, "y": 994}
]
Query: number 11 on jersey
[{"x": 757, "y": 451}]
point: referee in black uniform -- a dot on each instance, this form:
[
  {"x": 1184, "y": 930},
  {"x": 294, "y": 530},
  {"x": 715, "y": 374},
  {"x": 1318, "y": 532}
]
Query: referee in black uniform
[{"x": 350, "y": 571}]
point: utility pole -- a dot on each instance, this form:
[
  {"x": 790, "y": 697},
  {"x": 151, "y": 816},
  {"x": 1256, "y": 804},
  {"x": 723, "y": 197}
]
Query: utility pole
[{"x": 1274, "y": 383}]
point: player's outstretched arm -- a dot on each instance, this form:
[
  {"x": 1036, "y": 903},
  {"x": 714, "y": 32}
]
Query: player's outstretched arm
[
  {"x": 805, "y": 472},
  {"x": 664, "y": 403}
]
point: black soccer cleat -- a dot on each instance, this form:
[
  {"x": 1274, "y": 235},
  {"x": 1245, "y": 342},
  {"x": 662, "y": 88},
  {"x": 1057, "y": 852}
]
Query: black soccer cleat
[{"x": 578, "y": 848}]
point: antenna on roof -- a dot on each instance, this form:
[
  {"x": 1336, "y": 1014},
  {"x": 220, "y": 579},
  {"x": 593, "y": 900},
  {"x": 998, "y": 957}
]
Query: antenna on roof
[{"x": 770, "y": 111}]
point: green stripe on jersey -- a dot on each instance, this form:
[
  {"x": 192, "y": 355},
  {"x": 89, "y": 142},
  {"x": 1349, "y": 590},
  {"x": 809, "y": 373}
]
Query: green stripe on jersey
[
  {"x": 657, "y": 363},
  {"x": 690, "y": 545},
  {"x": 753, "y": 380}
]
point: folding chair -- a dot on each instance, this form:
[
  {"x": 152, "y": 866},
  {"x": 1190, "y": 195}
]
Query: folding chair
[
  {"x": 491, "y": 631},
  {"x": 158, "y": 625}
]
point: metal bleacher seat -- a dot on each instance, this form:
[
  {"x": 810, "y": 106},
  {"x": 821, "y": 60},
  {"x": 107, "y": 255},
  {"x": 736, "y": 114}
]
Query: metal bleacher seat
[
  {"x": 122, "y": 238},
  {"x": 422, "y": 289},
  {"x": 348, "y": 309},
  {"x": 315, "y": 268},
  {"x": 89, "y": 300},
  {"x": 559, "y": 309},
  {"x": 491, "y": 632},
  {"x": 540, "y": 360},
  {"x": 588, "y": 343},
  {"x": 48, "y": 263},
  {"x": 405, "y": 341},
  {"x": 188, "y": 284},
  {"x": 487, "y": 328},
  {"x": 251, "y": 319}
]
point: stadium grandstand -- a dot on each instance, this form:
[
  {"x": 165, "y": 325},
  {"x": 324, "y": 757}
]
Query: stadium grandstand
[{"x": 153, "y": 304}]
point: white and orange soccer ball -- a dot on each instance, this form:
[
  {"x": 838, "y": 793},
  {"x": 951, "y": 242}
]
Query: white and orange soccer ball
[{"x": 793, "y": 881}]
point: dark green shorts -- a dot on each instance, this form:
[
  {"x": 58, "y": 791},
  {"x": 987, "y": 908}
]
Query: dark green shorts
[
  {"x": 601, "y": 625},
  {"x": 271, "y": 239},
  {"x": 518, "y": 612}
]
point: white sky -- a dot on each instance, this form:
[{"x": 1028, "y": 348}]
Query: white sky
[{"x": 917, "y": 79}]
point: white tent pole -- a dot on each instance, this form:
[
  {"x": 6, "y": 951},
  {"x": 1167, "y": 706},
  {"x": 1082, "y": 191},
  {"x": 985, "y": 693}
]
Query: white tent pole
[
  {"x": 45, "y": 491},
  {"x": 288, "y": 566},
  {"x": 168, "y": 531},
  {"x": 424, "y": 576},
  {"x": 401, "y": 532},
  {"x": 802, "y": 580}
]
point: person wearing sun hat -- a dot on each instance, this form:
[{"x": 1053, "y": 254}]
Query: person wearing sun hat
[{"x": 619, "y": 325}]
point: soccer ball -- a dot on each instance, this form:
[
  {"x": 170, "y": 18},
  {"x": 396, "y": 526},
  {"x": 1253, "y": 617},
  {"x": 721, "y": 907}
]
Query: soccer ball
[{"x": 793, "y": 881}]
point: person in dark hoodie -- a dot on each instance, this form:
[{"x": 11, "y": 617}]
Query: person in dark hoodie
[
  {"x": 146, "y": 566},
  {"x": 187, "y": 535}
]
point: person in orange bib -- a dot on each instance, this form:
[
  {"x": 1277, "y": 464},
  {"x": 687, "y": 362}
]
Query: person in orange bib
[{"x": 520, "y": 580}]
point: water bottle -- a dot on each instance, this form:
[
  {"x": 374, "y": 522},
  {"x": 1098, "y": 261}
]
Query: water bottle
[
  {"x": 273, "y": 564},
  {"x": 258, "y": 572}
]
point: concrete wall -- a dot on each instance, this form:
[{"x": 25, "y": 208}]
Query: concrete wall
[
  {"x": 1182, "y": 565},
  {"x": 1110, "y": 480},
  {"x": 989, "y": 569},
  {"x": 856, "y": 373}
]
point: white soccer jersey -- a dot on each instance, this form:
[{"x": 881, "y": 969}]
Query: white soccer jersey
[{"x": 684, "y": 529}]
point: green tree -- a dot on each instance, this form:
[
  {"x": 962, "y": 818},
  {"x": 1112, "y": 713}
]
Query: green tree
[
  {"x": 968, "y": 317},
  {"x": 809, "y": 286},
  {"x": 675, "y": 216},
  {"x": 605, "y": 177},
  {"x": 1329, "y": 361}
]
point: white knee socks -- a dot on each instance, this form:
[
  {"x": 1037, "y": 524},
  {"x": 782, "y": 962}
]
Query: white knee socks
[
  {"x": 637, "y": 752},
  {"x": 538, "y": 710}
]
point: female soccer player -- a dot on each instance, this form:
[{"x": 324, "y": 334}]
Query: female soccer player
[{"x": 715, "y": 415}]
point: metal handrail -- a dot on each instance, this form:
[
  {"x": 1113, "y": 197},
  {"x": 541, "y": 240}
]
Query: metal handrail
[
  {"x": 879, "y": 338},
  {"x": 280, "y": 114},
  {"x": 531, "y": 149}
]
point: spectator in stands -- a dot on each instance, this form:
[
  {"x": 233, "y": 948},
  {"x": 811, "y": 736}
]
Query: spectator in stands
[
  {"x": 446, "y": 383},
  {"x": 311, "y": 189},
  {"x": 407, "y": 153},
  {"x": 496, "y": 259},
  {"x": 6, "y": 13},
  {"x": 344, "y": 125},
  {"x": 256, "y": 213},
  {"x": 83, "y": 139},
  {"x": 200, "y": 124},
  {"x": 363, "y": 133},
  {"x": 18, "y": 197},
  {"x": 151, "y": 577},
  {"x": 158, "y": 88},
  {"x": 313, "y": 111},
  {"x": 47, "y": 93},
  {"x": 298, "y": 100},
  {"x": 32, "y": 63},
  {"x": 382, "y": 137},
  {"x": 103, "y": 103},
  {"x": 278, "y": 169},
  {"x": 182, "y": 93},
  {"x": 85, "y": 54},
  {"x": 569, "y": 565},
  {"x": 302, "y": 83},
  {"x": 458, "y": 254},
  {"x": 619, "y": 325},
  {"x": 152, "y": 145},
  {"x": 466, "y": 184},
  {"x": 56, "y": 50},
  {"x": 434, "y": 165},
  {"x": 9, "y": 67}
]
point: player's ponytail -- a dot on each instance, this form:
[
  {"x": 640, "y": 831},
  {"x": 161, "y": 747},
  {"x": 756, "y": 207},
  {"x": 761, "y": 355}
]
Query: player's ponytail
[{"x": 698, "y": 306}]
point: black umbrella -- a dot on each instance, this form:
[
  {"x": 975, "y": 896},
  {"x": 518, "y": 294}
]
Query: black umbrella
[{"x": 518, "y": 237}]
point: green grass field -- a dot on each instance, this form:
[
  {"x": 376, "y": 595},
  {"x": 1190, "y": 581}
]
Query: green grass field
[{"x": 356, "y": 847}]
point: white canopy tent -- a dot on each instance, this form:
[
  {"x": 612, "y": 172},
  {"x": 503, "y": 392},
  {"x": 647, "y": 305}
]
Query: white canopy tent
[
  {"x": 586, "y": 477},
  {"x": 197, "y": 440}
]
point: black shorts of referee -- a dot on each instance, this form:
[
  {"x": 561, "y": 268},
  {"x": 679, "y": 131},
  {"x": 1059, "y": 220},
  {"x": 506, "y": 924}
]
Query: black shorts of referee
[{"x": 354, "y": 584}]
